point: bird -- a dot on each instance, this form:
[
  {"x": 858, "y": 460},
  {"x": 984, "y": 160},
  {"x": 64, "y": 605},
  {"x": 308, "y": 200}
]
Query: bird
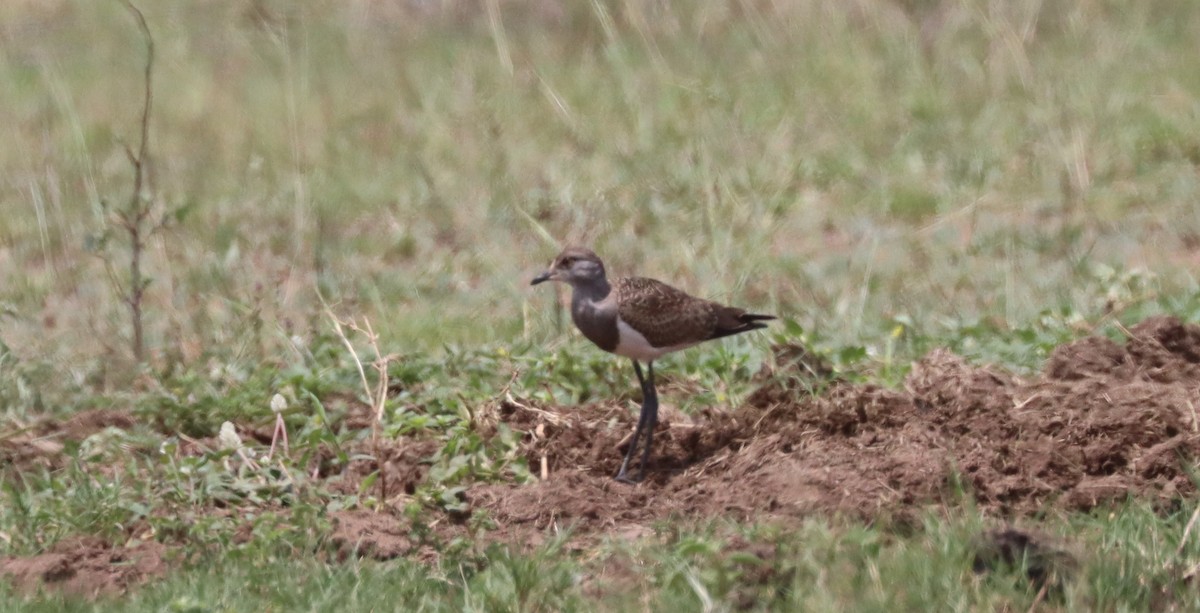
[{"x": 641, "y": 319}]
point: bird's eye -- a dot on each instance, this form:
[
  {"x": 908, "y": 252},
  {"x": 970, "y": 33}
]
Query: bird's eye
[{"x": 568, "y": 261}]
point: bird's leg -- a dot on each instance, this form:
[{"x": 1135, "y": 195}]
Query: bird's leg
[
  {"x": 649, "y": 416},
  {"x": 643, "y": 415}
]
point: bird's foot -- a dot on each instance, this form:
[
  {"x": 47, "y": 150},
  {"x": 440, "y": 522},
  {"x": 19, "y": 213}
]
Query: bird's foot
[{"x": 623, "y": 477}]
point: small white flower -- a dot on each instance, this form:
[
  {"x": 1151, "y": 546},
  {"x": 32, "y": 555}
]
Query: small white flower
[
  {"x": 278, "y": 403},
  {"x": 229, "y": 437}
]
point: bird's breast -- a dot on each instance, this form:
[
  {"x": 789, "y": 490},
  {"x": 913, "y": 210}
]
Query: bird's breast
[{"x": 598, "y": 323}]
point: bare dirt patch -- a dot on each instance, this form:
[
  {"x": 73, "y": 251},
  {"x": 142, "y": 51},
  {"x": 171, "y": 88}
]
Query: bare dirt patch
[
  {"x": 368, "y": 534},
  {"x": 1102, "y": 422},
  {"x": 404, "y": 460},
  {"x": 42, "y": 443},
  {"x": 86, "y": 566}
]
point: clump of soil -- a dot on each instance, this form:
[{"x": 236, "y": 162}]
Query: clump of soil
[
  {"x": 405, "y": 465},
  {"x": 1103, "y": 421},
  {"x": 86, "y": 566},
  {"x": 358, "y": 533},
  {"x": 41, "y": 444}
]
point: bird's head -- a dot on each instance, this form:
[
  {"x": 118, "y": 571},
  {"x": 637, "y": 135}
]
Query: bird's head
[{"x": 576, "y": 266}]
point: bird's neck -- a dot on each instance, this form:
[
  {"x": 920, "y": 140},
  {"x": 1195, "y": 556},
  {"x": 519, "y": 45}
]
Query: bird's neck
[
  {"x": 595, "y": 314},
  {"x": 590, "y": 293}
]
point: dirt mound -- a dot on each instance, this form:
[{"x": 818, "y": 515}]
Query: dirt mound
[
  {"x": 86, "y": 567},
  {"x": 405, "y": 465},
  {"x": 42, "y": 443},
  {"x": 359, "y": 533},
  {"x": 1103, "y": 421}
]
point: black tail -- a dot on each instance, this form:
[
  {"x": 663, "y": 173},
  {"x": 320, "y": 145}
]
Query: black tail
[
  {"x": 749, "y": 317},
  {"x": 734, "y": 321}
]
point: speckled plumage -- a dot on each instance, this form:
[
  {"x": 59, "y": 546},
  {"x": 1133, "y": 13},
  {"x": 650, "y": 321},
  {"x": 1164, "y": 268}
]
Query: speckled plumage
[
  {"x": 669, "y": 317},
  {"x": 642, "y": 319},
  {"x": 665, "y": 318}
]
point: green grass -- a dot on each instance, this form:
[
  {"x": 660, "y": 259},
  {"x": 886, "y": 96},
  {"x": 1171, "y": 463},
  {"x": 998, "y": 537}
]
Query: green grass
[
  {"x": 1122, "y": 561},
  {"x": 121, "y": 484},
  {"x": 889, "y": 177},
  {"x": 820, "y": 163}
]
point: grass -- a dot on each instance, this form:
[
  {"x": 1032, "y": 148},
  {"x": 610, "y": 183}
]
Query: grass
[
  {"x": 889, "y": 177},
  {"x": 820, "y": 564},
  {"x": 410, "y": 173}
]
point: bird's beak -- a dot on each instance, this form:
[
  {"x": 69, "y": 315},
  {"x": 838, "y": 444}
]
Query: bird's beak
[{"x": 542, "y": 278}]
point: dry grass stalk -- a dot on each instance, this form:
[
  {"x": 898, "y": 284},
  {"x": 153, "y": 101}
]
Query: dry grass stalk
[{"x": 376, "y": 395}]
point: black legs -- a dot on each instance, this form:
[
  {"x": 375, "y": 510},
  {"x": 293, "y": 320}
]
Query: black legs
[
  {"x": 646, "y": 422},
  {"x": 649, "y": 415}
]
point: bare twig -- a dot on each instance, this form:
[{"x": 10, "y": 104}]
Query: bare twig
[
  {"x": 133, "y": 219},
  {"x": 337, "y": 329},
  {"x": 547, "y": 415},
  {"x": 380, "y": 366}
]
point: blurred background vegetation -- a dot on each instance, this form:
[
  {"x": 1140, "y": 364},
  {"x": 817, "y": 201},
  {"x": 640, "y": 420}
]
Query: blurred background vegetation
[{"x": 853, "y": 166}]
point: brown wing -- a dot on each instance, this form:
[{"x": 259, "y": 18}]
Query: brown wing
[{"x": 664, "y": 315}]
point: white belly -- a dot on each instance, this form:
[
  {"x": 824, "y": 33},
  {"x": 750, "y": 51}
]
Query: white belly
[{"x": 632, "y": 344}]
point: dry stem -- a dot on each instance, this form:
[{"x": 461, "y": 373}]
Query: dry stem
[
  {"x": 133, "y": 219},
  {"x": 377, "y": 395}
]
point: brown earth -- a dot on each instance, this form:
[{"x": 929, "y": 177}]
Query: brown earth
[
  {"x": 86, "y": 566},
  {"x": 41, "y": 443},
  {"x": 1102, "y": 422}
]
